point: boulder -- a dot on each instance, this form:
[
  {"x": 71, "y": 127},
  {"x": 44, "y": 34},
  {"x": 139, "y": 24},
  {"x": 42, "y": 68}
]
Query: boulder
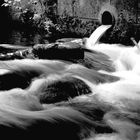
[{"x": 62, "y": 51}]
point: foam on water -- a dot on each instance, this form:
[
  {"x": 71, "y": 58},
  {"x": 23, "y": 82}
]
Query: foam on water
[{"x": 107, "y": 107}]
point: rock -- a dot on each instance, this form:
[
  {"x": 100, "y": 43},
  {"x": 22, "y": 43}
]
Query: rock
[
  {"x": 63, "y": 89},
  {"x": 62, "y": 51},
  {"x": 62, "y": 40},
  {"x": 8, "y": 48}
]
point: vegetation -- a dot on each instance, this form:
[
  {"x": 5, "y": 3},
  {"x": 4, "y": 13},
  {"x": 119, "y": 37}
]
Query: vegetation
[
  {"x": 73, "y": 26},
  {"x": 122, "y": 31},
  {"x": 42, "y": 15},
  {"x": 25, "y": 12}
]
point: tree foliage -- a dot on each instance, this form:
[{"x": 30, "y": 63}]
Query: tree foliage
[{"x": 25, "y": 10}]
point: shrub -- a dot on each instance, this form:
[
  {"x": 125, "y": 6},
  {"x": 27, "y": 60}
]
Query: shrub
[
  {"x": 25, "y": 11},
  {"x": 67, "y": 26}
]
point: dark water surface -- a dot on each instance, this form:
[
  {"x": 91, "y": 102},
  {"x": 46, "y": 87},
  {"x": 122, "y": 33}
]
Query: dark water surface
[
  {"x": 23, "y": 37},
  {"x": 12, "y": 32}
]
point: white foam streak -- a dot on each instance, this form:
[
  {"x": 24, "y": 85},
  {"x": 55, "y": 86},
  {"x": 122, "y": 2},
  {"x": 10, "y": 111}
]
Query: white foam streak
[
  {"x": 127, "y": 63},
  {"x": 20, "y": 107}
]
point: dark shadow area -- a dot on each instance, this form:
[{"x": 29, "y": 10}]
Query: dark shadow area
[
  {"x": 17, "y": 80},
  {"x": 15, "y": 32},
  {"x": 107, "y": 18},
  {"x": 5, "y": 23}
]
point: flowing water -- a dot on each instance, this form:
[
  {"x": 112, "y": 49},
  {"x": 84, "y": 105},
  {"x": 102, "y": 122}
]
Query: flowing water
[
  {"x": 96, "y": 35},
  {"x": 95, "y": 98}
]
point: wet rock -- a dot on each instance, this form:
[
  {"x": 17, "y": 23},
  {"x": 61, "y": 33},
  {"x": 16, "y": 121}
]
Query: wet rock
[
  {"x": 8, "y": 48},
  {"x": 62, "y": 51},
  {"x": 63, "y": 89}
]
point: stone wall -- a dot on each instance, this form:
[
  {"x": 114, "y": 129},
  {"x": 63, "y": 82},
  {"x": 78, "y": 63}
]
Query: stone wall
[
  {"x": 84, "y": 9},
  {"x": 81, "y": 8},
  {"x": 91, "y": 8}
]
